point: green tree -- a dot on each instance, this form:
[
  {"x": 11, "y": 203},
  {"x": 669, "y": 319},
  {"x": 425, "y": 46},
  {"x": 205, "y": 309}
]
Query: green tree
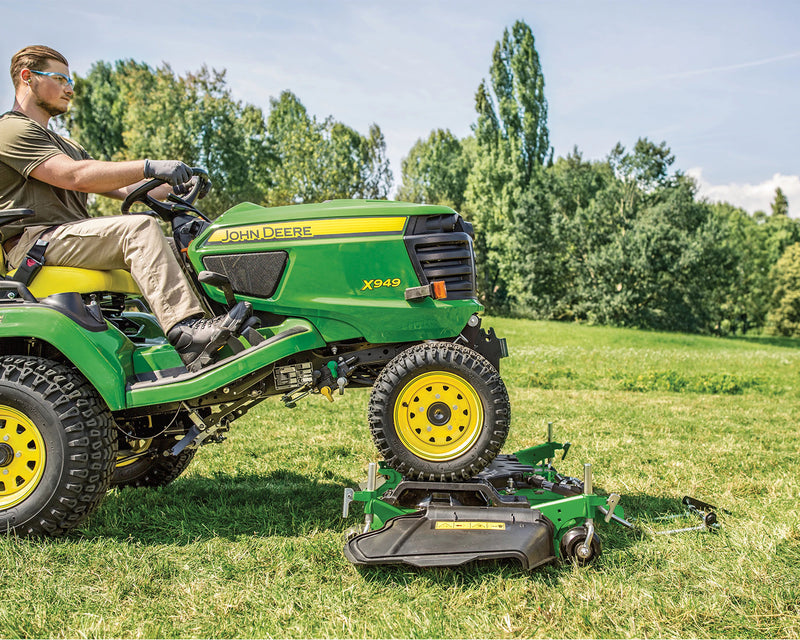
[
  {"x": 654, "y": 271},
  {"x": 512, "y": 141},
  {"x": 624, "y": 241},
  {"x": 784, "y": 317},
  {"x": 780, "y": 205},
  {"x": 352, "y": 165},
  {"x": 742, "y": 299},
  {"x": 435, "y": 171},
  {"x": 297, "y": 141},
  {"x": 323, "y": 160},
  {"x": 595, "y": 229},
  {"x": 130, "y": 111},
  {"x": 782, "y": 231},
  {"x": 540, "y": 285},
  {"x": 582, "y": 220}
]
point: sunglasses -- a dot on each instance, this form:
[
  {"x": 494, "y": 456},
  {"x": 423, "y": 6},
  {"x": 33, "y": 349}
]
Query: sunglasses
[{"x": 64, "y": 81}]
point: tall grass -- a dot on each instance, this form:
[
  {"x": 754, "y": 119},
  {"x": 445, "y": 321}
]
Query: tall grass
[{"x": 248, "y": 542}]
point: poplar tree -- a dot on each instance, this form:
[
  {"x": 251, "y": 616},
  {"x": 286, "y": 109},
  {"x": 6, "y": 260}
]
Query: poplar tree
[
  {"x": 780, "y": 205},
  {"x": 513, "y": 143}
]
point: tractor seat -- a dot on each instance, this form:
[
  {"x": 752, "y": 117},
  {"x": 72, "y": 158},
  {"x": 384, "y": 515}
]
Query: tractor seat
[{"x": 50, "y": 280}]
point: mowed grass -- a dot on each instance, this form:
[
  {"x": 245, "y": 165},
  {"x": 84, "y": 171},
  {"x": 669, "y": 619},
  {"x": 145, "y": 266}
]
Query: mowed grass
[{"x": 248, "y": 542}]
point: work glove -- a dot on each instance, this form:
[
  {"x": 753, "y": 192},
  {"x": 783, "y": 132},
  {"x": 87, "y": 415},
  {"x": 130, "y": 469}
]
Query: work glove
[
  {"x": 172, "y": 171},
  {"x": 186, "y": 187}
]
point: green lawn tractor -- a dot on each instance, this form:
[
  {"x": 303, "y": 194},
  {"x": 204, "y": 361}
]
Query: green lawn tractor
[{"x": 345, "y": 293}]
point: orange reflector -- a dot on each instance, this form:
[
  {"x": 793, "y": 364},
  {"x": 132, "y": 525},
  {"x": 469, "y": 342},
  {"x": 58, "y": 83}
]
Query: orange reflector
[{"x": 439, "y": 289}]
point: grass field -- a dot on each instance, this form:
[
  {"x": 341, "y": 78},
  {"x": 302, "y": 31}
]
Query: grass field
[{"x": 248, "y": 542}]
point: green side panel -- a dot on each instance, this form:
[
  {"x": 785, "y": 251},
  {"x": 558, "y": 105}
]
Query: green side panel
[
  {"x": 155, "y": 357},
  {"x": 103, "y": 357},
  {"x": 215, "y": 377},
  {"x": 349, "y": 284}
]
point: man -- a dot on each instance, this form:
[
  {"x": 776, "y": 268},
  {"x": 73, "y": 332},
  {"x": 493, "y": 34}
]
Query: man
[{"x": 52, "y": 175}]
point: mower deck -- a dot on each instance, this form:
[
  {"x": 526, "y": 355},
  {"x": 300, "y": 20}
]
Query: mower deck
[{"x": 520, "y": 508}]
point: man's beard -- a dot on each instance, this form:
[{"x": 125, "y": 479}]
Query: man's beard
[{"x": 51, "y": 109}]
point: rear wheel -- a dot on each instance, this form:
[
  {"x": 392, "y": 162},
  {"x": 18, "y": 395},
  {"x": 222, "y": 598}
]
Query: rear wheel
[
  {"x": 439, "y": 411},
  {"x": 57, "y": 446},
  {"x": 143, "y": 463}
]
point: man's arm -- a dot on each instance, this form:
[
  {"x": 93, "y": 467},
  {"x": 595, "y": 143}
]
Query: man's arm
[
  {"x": 89, "y": 176},
  {"x": 114, "y": 179}
]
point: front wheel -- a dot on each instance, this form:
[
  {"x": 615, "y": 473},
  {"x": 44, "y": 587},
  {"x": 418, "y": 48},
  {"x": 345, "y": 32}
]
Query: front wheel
[{"x": 439, "y": 411}]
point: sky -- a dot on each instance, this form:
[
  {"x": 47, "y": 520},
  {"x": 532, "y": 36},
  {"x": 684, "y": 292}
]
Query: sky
[{"x": 716, "y": 80}]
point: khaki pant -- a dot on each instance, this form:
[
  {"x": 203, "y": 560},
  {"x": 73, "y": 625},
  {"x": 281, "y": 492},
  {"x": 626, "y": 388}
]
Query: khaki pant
[{"x": 132, "y": 242}]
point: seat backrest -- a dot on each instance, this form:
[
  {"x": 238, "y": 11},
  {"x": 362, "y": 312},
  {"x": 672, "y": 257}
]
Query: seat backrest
[
  {"x": 50, "y": 280},
  {"x": 7, "y": 216}
]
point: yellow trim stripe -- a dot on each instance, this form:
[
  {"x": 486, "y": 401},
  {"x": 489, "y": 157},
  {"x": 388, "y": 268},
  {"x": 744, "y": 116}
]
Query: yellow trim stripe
[
  {"x": 472, "y": 526},
  {"x": 308, "y": 229}
]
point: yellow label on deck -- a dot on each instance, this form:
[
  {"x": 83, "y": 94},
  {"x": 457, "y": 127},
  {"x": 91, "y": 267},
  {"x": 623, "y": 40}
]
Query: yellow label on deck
[{"x": 472, "y": 526}]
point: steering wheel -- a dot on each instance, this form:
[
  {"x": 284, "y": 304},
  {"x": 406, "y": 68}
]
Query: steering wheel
[{"x": 168, "y": 210}]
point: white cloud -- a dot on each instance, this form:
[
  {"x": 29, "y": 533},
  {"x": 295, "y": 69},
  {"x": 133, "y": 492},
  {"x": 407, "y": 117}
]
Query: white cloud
[{"x": 751, "y": 197}]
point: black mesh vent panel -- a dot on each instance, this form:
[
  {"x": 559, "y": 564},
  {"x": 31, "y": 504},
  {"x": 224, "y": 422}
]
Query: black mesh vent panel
[{"x": 251, "y": 274}]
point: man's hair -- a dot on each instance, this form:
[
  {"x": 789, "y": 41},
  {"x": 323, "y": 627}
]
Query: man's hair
[{"x": 34, "y": 58}]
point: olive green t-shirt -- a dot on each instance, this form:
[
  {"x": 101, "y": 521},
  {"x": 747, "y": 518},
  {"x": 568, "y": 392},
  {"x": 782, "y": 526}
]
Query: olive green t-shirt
[{"x": 24, "y": 145}]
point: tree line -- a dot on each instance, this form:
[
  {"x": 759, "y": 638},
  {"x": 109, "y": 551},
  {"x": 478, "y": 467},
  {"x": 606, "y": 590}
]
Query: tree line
[
  {"x": 129, "y": 110},
  {"x": 624, "y": 240}
]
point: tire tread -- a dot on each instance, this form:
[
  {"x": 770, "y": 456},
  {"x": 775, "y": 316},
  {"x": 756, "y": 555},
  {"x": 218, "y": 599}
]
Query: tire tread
[
  {"x": 433, "y": 355},
  {"x": 91, "y": 441}
]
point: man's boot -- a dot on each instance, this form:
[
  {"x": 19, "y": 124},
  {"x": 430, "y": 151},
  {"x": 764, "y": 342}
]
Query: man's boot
[{"x": 197, "y": 340}]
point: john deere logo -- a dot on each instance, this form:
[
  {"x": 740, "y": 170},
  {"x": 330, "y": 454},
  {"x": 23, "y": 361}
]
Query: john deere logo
[
  {"x": 266, "y": 232},
  {"x": 308, "y": 229}
]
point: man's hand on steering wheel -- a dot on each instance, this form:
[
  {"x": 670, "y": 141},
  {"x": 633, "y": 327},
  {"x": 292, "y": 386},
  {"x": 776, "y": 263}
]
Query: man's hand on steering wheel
[
  {"x": 174, "y": 172},
  {"x": 168, "y": 180},
  {"x": 162, "y": 192}
]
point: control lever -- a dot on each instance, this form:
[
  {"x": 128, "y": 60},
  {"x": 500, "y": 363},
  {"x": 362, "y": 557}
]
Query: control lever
[
  {"x": 611, "y": 504},
  {"x": 220, "y": 281}
]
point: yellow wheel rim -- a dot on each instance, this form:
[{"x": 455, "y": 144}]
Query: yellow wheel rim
[
  {"x": 22, "y": 457},
  {"x": 438, "y": 416},
  {"x": 137, "y": 450}
]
